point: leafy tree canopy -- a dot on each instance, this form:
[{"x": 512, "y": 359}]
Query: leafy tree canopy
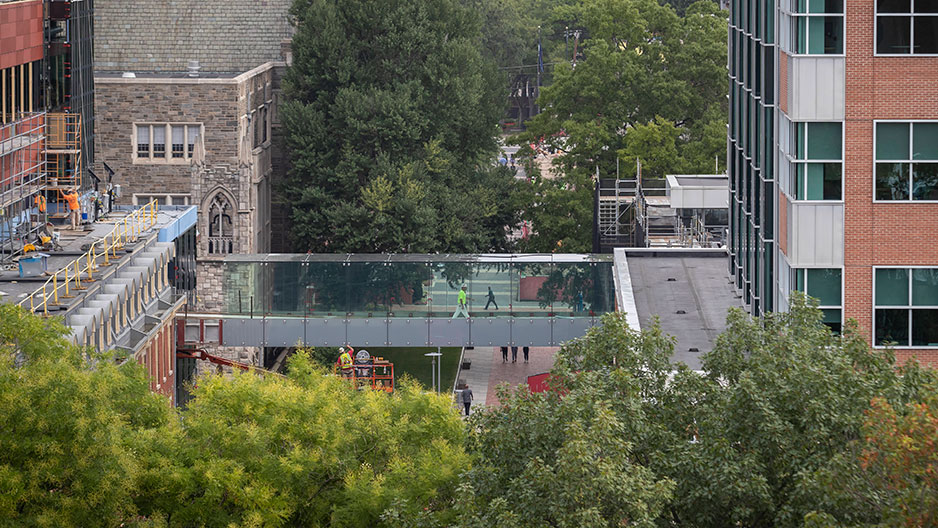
[
  {"x": 650, "y": 85},
  {"x": 84, "y": 443},
  {"x": 751, "y": 440},
  {"x": 69, "y": 426},
  {"x": 390, "y": 117}
]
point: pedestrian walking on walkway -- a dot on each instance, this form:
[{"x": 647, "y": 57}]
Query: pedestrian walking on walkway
[
  {"x": 504, "y": 354},
  {"x": 525, "y": 350},
  {"x": 467, "y": 398},
  {"x": 514, "y": 354},
  {"x": 491, "y": 299},
  {"x": 461, "y": 304}
]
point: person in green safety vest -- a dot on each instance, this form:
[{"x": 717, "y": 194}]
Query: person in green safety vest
[
  {"x": 345, "y": 360},
  {"x": 461, "y": 304}
]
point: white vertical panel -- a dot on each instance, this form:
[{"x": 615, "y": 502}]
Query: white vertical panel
[
  {"x": 837, "y": 86},
  {"x": 823, "y": 252},
  {"x": 824, "y": 73},
  {"x": 818, "y": 235},
  {"x": 784, "y": 282},
  {"x": 818, "y": 88}
]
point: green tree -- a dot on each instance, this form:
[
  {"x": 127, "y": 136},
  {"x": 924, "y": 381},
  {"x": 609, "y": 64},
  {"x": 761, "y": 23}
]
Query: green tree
[
  {"x": 308, "y": 450},
  {"x": 889, "y": 477},
  {"x": 566, "y": 461},
  {"x": 390, "y": 117},
  {"x": 646, "y": 72},
  {"x": 84, "y": 443},
  {"x": 751, "y": 440},
  {"x": 71, "y": 428}
]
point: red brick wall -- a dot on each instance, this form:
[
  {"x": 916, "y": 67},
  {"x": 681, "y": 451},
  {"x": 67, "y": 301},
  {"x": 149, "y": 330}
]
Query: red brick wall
[
  {"x": 159, "y": 357},
  {"x": 20, "y": 33},
  {"x": 882, "y": 234}
]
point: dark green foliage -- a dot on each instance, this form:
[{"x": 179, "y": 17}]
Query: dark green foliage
[
  {"x": 651, "y": 85},
  {"x": 764, "y": 436},
  {"x": 390, "y": 118}
]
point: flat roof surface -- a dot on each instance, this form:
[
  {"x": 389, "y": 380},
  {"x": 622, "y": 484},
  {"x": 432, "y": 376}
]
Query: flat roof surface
[
  {"x": 14, "y": 288},
  {"x": 701, "y": 289},
  {"x": 711, "y": 181},
  {"x": 166, "y": 75}
]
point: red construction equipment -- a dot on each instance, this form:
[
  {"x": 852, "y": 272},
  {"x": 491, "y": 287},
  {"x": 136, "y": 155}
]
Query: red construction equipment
[
  {"x": 198, "y": 353},
  {"x": 375, "y": 373}
]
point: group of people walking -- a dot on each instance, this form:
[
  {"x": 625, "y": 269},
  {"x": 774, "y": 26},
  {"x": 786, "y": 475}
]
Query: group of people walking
[{"x": 514, "y": 354}]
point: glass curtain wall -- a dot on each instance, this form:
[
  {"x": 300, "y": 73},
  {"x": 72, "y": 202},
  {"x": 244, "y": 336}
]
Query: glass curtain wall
[{"x": 750, "y": 150}]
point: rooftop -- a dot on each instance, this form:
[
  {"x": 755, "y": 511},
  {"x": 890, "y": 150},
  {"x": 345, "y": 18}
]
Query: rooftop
[
  {"x": 689, "y": 290},
  {"x": 14, "y": 288}
]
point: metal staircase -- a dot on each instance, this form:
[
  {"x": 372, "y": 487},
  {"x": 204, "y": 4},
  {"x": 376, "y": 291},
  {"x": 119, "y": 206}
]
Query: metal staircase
[{"x": 616, "y": 212}]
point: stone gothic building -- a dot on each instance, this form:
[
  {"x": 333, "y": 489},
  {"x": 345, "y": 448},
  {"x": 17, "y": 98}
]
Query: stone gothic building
[{"x": 186, "y": 98}]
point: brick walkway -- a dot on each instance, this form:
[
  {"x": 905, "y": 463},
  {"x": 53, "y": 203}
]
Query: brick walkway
[{"x": 541, "y": 360}]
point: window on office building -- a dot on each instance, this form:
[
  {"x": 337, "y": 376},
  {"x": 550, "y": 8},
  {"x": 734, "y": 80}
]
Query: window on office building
[
  {"x": 150, "y": 141},
  {"x": 906, "y": 161},
  {"x": 824, "y": 284},
  {"x": 816, "y": 27},
  {"x": 906, "y": 27},
  {"x": 816, "y": 156},
  {"x": 906, "y": 306}
]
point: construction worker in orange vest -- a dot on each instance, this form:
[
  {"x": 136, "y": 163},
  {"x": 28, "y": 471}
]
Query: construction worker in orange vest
[
  {"x": 40, "y": 201},
  {"x": 73, "y": 207}
]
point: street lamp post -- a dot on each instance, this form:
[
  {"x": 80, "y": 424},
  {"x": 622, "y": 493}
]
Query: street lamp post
[{"x": 436, "y": 363}]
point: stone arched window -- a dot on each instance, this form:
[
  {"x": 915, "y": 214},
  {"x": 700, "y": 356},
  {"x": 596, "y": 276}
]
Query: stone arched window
[{"x": 220, "y": 225}]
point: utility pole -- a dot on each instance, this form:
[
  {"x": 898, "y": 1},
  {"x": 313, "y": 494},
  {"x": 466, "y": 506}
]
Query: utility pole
[{"x": 540, "y": 68}]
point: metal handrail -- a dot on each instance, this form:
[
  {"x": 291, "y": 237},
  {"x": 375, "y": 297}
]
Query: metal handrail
[{"x": 69, "y": 278}]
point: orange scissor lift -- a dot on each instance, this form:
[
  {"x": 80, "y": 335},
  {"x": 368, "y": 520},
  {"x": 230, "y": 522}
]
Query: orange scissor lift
[{"x": 376, "y": 373}]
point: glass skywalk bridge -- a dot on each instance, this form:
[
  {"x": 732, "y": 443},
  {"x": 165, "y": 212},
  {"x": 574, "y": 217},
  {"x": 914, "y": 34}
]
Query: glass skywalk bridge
[{"x": 411, "y": 300}]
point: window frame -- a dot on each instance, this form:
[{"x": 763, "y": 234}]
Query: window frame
[
  {"x": 909, "y": 306},
  {"x": 788, "y": 22},
  {"x": 166, "y": 157},
  {"x": 794, "y": 162},
  {"x": 909, "y": 161},
  {"x": 911, "y": 15},
  {"x": 793, "y": 282}
]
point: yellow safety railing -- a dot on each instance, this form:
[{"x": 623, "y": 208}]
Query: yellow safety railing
[{"x": 69, "y": 279}]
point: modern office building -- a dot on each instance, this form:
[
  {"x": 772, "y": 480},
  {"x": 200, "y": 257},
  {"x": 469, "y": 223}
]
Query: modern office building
[{"x": 833, "y": 162}]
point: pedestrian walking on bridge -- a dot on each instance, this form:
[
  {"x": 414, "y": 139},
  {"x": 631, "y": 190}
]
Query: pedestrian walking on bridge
[
  {"x": 491, "y": 299},
  {"x": 461, "y": 304}
]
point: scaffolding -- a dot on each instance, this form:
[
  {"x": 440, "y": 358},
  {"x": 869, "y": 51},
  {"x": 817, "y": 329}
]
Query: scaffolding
[
  {"x": 63, "y": 151},
  {"x": 22, "y": 182},
  {"x": 615, "y": 215}
]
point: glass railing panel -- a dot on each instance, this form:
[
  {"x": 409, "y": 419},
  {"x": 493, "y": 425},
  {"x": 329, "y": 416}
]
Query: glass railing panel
[
  {"x": 531, "y": 297},
  {"x": 325, "y": 288},
  {"x": 492, "y": 288},
  {"x": 239, "y": 287},
  {"x": 409, "y": 288},
  {"x": 285, "y": 294},
  {"x": 449, "y": 276},
  {"x": 581, "y": 286},
  {"x": 369, "y": 288}
]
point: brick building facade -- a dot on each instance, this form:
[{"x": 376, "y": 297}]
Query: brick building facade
[{"x": 843, "y": 169}]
